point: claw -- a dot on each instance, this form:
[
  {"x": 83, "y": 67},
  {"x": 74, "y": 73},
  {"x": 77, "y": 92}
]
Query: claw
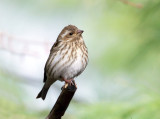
[
  {"x": 75, "y": 85},
  {"x": 66, "y": 85},
  {"x": 69, "y": 82}
]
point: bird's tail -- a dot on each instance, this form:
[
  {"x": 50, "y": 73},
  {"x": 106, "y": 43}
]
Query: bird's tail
[{"x": 42, "y": 94}]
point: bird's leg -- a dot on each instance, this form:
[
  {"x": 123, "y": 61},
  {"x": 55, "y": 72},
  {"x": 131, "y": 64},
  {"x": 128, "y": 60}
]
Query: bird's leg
[
  {"x": 72, "y": 82},
  {"x": 69, "y": 82}
]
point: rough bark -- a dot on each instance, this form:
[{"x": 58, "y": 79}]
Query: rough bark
[{"x": 62, "y": 102}]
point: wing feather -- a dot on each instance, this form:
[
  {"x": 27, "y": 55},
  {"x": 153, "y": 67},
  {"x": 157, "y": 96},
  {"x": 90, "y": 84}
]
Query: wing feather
[{"x": 51, "y": 52}]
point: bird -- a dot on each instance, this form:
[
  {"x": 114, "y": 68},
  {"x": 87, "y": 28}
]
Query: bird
[{"x": 68, "y": 58}]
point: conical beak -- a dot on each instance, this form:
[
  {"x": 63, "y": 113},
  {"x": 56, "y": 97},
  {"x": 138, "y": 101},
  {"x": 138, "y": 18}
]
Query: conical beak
[{"x": 80, "y": 31}]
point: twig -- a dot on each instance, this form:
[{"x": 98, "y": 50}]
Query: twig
[
  {"x": 62, "y": 102},
  {"x": 8, "y": 43},
  {"x": 132, "y": 4}
]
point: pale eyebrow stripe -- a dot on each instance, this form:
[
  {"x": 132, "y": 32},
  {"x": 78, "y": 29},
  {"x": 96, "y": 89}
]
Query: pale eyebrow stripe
[{"x": 64, "y": 34}]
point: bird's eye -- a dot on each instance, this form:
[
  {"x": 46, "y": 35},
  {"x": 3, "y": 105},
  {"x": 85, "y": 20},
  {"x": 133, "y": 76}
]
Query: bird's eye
[{"x": 70, "y": 34}]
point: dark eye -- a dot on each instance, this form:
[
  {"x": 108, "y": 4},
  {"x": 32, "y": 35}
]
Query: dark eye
[{"x": 70, "y": 34}]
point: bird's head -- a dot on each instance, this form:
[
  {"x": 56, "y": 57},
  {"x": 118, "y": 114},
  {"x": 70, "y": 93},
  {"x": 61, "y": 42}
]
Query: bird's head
[{"x": 70, "y": 33}]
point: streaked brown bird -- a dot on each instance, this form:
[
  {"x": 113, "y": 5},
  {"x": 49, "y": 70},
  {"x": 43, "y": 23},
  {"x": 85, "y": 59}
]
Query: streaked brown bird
[{"x": 68, "y": 58}]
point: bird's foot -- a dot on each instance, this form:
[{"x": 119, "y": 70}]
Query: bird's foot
[
  {"x": 65, "y": 85},
  {"x": 69, "y": 82}
]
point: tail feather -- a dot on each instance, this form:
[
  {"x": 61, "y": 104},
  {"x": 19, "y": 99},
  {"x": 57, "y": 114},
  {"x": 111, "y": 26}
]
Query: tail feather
[{"x": 42, "y": 94}]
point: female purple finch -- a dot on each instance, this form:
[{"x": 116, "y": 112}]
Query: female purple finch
[{"x": 68, "y": 58}]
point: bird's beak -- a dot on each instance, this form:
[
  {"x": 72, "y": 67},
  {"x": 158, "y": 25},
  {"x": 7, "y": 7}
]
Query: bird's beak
[{"x": 80, "y": 31}]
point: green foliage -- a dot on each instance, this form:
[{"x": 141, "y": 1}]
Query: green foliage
[
  {"x": 120, "y": 38},
  {"x": 12, "y": 110},
  {"x": 121, "y": 110},
  {"x": 11, "y": 105}
]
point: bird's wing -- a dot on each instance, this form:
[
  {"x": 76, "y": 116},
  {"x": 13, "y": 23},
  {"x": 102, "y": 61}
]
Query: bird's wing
[{"x": 45, "y": 68}]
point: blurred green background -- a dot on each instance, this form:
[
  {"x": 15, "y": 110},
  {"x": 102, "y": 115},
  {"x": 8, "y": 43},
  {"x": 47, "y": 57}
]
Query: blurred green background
[{"x": 122, "y": 78}]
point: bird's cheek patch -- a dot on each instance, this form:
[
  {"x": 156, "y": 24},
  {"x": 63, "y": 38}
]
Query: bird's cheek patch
[{"x": 68, "y": 39}]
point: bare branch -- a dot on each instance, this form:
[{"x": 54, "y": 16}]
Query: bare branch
[
  {"x": 132, "y": 4},
  {"x": 9, "y": 43},
  {"x": 62, "y": 102}
]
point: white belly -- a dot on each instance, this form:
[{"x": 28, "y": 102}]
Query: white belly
[
  {"x": 68, "y": 69},
  {"x": 75, "y": 68}
]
